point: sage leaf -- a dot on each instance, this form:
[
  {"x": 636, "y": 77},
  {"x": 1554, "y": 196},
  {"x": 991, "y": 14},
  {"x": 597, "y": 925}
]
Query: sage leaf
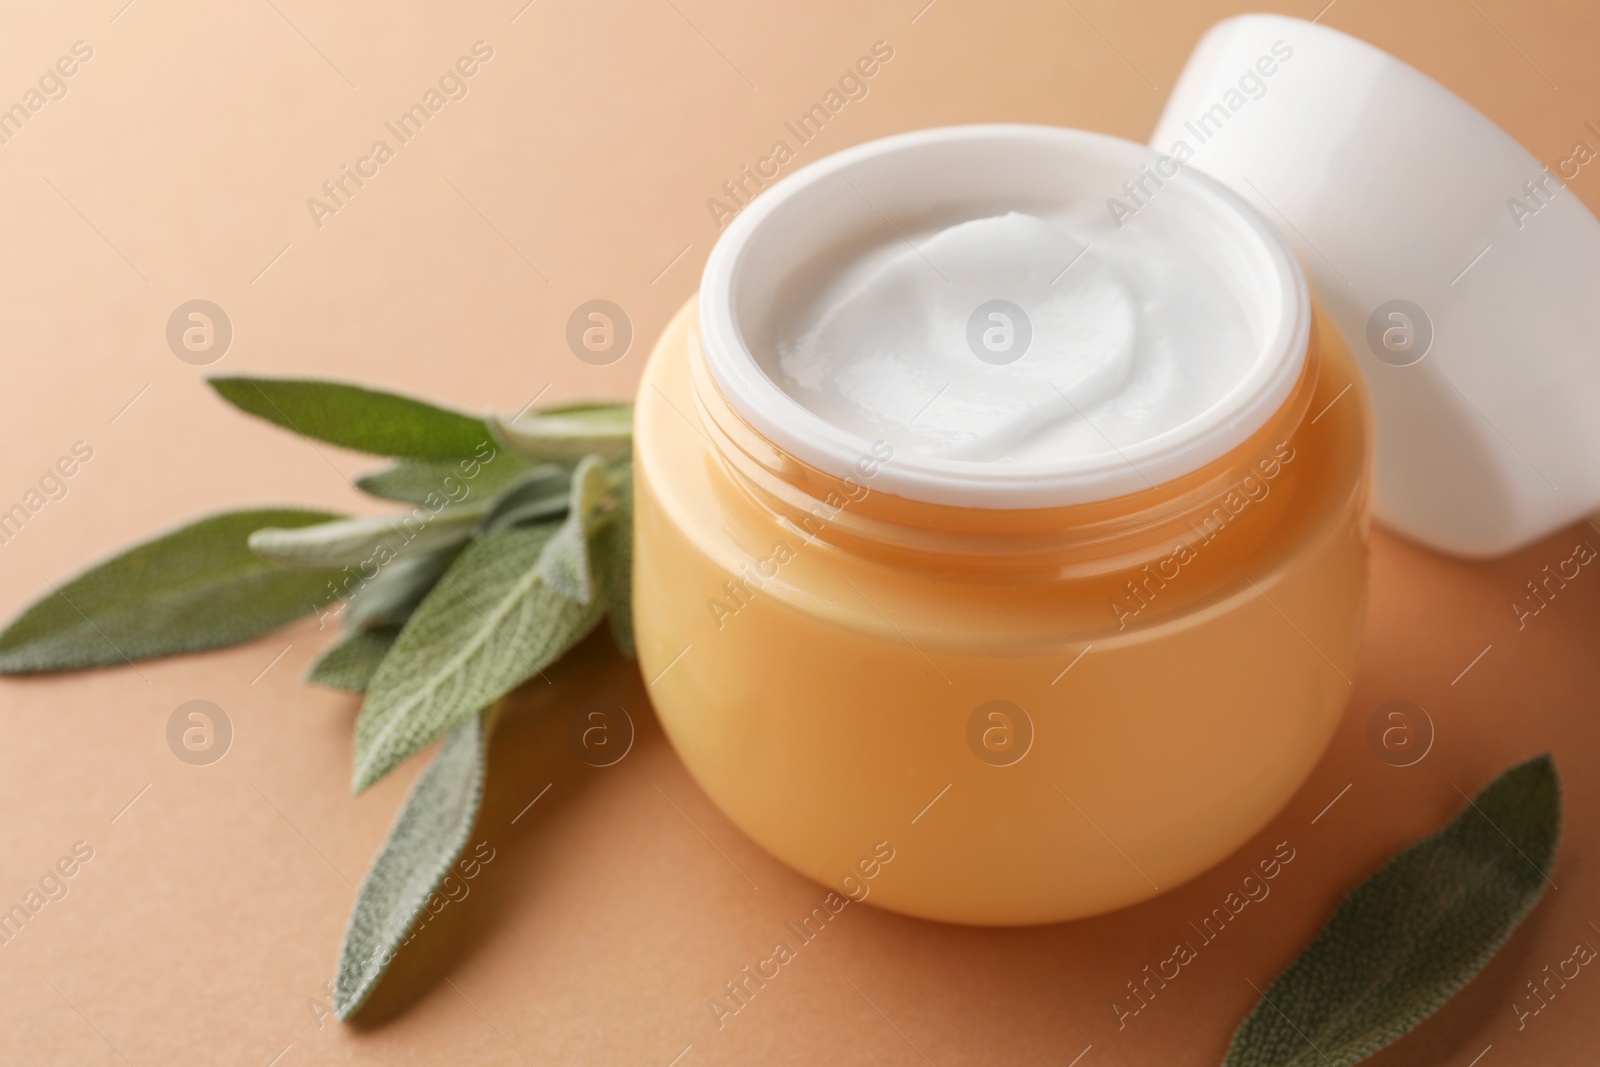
[
  {"x": 564, "y": 563},
  {"x": 488, "y": 626},
  {"x": 390, "y": 596},
  {"x": 351, "y": 416},
  {"x": 567, "y": 434},
  {"x": 613, "y": 562},
  {"x": 196, "y": 588},
  {"x": 350, "y": 664},
  {"x": 540, "y": 494},
  {"x": 369, "y": 541},
  {"x": 1409, "y": 937},
  {"x": 435, "y": 483},
  {"x": 427, "y": 836}
]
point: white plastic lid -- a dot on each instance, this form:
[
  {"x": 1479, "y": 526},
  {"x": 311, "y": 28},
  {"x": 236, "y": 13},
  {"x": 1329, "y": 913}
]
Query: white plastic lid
[{"x": 1460, "y": 271}]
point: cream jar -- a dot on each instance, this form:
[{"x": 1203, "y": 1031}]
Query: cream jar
[{"x": 1057, "y": 637}]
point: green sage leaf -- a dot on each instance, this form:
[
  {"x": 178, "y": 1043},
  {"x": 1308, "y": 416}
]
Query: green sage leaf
[
  {"x": 540, "y": 494},
  {"x": 567, "y": 434},
  {"x": 366, "y": 542},
  {"x": 196, "y": 588},
  {"x": 613, "y": 562},
  {"x": 1412, "y": 935},
  {"x": 435, "y": 483},
  {"x": 564, "y": 563},
  {"x": 432, "y": 829},
  {"x": 390, "y": 596},
  {"x": 350, "y": 664},
  {"x": 366, "y": 420},
  {"x": 488, "y": 626}
]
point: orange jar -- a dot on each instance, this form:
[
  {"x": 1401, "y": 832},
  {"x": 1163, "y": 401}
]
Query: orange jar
[{"x": 1022, "y": 703}]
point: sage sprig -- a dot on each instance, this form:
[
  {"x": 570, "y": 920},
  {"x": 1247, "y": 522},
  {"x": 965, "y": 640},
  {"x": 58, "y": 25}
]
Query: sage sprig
[
  {"x": 1411, "y": 936},
  {"x": 515, "y": 545}
]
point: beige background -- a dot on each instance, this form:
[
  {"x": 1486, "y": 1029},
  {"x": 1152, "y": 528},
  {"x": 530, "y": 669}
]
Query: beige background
[{"x": 178, "y": 166}]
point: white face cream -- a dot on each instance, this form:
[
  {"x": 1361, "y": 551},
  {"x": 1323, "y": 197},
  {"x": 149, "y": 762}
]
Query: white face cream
[
  {"x": 1110, "y": 339},
  {"x": 965, "y": 296}
]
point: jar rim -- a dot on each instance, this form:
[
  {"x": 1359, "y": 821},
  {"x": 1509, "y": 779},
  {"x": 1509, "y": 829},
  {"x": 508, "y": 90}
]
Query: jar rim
[{"x": 959, "y": 163}]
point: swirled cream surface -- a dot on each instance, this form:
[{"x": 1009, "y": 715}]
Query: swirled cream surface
[{"x": 1014, "y": 339}]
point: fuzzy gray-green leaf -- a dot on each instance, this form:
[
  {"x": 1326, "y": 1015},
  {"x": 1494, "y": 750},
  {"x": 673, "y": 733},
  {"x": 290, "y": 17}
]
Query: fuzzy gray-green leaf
[
  {"x": 353, "y": 416},
  {"x": 438, "y": 482},
  {"x": 566, "y": 435},
  {"x": 196, "y": 588},
  {"x": 489, "y": 625},
  {"x": 613, "y": 562},
  {"x": 390, "y": 596},
  {"x": 430, "y": 832},
  {"x": 541, "y": 494},
  {"x": 1412, "y": 935},
  {"x": 351, "y": 663},
  {"x": 366, "y": 541},
  {"x": 564, "y": 563}
]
